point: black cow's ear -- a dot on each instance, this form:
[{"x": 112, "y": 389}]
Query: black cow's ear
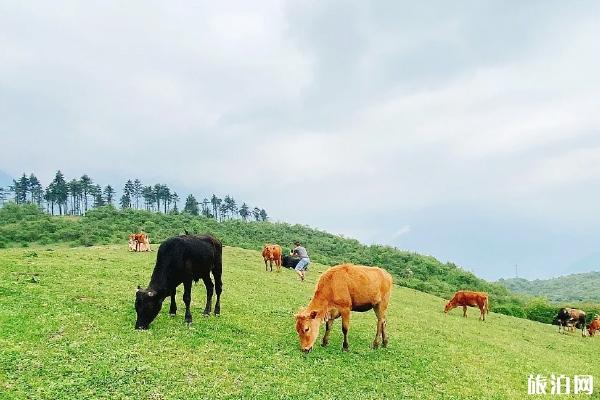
[
  {"x": 151, "y": 293},
  {"x": 313, "y": 314}
]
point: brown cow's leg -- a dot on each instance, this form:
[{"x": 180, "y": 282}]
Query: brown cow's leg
[
  {"x": 266, "y": 268},
  {"x": 465, "y": 311},
  {"x": 328, "y": 325},
  {"x": 187, "y": 298},
  {"x": 380, "y": 323},
  {"x": 345, "y": 326},
  {"x": 173, "y": 307},
  {"x": 482, "y": 313}
]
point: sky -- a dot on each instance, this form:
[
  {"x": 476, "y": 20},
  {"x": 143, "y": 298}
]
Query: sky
[{"x": 465, "y": 130}]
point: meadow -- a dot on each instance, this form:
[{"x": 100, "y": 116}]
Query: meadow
[{"x": 66, "y": 331}]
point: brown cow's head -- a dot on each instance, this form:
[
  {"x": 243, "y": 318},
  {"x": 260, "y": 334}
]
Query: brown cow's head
[
  {"x": 147, "y": 306},
  {"x": 449, "y": 306},
  {"x": 268, "y": 252},
  {"x": 307, "y": 326}
]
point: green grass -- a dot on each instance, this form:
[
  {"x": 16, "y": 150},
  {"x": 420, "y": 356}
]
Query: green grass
[{"x": 66, "y": 331}]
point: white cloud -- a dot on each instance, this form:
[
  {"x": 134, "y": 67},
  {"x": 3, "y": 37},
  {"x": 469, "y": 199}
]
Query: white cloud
[{"x": 320, "y": 112}]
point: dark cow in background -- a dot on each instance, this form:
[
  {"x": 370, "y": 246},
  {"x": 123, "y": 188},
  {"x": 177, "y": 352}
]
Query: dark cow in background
[
  {"x": 289, "y": 261},
  {"x": 181, "y": 259},
  {"x": 569, "y": 316}
]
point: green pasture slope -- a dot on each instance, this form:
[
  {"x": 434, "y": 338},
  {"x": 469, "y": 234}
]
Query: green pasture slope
[{"x": 66, "y": 332}]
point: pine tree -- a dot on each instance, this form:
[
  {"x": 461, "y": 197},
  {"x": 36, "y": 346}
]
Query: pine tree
[
  {"x": 137, "y": 192},
  {"x": 86, "y": 187},
  {"x": 256, "y": 213},
  {"x": 191, "y": 205},
  {"x": 244, "y": 212},
  {"x": 125, "y": 201},
  {"x": 263, "y": 215},
  {"x": 109, "y": 194},
  {"x": 59, "y": 192},
  {"x": 96, "y": 192},
  {"x": 149, "y": 197},
  {"x": 174, "y": 201}
]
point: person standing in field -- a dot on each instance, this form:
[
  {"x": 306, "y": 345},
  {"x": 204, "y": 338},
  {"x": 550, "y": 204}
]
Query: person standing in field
[{"x": 300, "y": 251}]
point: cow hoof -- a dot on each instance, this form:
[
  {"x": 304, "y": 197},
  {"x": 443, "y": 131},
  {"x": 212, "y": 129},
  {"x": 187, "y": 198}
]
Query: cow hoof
[
  {"x": 324, "y": 344},
  {"x": 172, "y": 314},
  {"x": 206, "y": 315},
  {"x": 384, "y": 344},
  {"x": 217, "y": 314},
  {"x": 375, "y": 346},
  {"x": 345, "y": 349}
]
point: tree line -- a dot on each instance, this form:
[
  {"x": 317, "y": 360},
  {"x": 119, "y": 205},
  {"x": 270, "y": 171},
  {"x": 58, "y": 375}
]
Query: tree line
[{"x": 77, "y": 196}]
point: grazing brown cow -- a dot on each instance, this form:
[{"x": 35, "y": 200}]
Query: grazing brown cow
[
  {"x": 594, "y": 326},
  {"x": 466, "y": 298},
  {"x": 270, "y": 253},
  {"x": 342, "y": 289}
]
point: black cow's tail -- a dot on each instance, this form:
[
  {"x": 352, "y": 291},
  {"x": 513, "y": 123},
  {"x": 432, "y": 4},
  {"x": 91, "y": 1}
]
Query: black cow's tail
[{"x": 217, "y": 270}]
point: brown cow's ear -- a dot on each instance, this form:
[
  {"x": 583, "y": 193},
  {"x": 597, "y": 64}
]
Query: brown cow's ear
[{"x": 313, "y": 314}]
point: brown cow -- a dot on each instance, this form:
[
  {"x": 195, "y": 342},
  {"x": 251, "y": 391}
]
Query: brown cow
[
  {"x": 466, "y": 298},
  {"x": 139, "y": 242},
  {"x": 342, "y": 289},
  {"x": 272, "y": 252},
  {"x": 594, "y": 326}
]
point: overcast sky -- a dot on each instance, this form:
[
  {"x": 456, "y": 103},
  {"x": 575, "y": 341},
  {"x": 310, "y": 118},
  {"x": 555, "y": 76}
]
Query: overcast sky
[{"x": 467, "y": 130}]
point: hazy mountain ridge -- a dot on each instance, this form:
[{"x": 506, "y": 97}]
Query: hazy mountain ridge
[{"x": 573, "y": 287}]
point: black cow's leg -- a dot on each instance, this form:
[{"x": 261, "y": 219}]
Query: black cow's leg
[
  {"x": 209, "y": 293},
  {"x": 218, "y": 290},
  {"x": 187, "y": 298},
  {"x": 173, "y": 307}
]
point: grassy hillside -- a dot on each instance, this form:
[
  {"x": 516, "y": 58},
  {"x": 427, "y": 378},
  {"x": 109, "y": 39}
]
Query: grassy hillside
[
  {"x": 23, "y": 226},
  {"x": 67, "y": 332},
  {"x": 575, "y": 287}
]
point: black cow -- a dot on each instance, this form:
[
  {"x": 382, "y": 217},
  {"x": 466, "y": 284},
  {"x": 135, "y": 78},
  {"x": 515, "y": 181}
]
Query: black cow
[
  {"x": 181, "y": 259},
  {"x": 570, "y": 316},
  {"x": 290, "y": 261}
]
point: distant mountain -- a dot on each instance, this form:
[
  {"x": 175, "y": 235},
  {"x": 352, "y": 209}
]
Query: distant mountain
[
  {"x": 574, "y": 287},
  {"x": 5, "y": 179}
]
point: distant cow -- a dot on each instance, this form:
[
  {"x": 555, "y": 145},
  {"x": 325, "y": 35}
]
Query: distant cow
[
  {"x": 270, "y": 253},
  {"x": 139, "y": 242},
  {"x": 466, "y": 298},
  {"x": 342, "y": 289},
  {"x": 570, "y": 316},
  {"x": 290, "y": 261},
  {"x": 594, "y": 326},
  {"x": 181, "y": 259}
]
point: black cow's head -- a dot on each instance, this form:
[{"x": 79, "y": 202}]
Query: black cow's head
[{"x": 147, "y": 306}]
